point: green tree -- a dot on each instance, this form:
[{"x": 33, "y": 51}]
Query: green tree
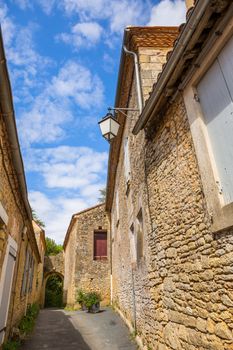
[
  {"x": 37, "y": 220},
  {"x": 52, "y": 248},
  {"x": 102, "y": 197}
]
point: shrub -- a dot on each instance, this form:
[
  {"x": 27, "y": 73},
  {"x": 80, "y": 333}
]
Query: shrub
[
  {"x": 11, "y": 345},
  {"x": 26, "y": 324},
  {"x": 91, "y": 299},
  {"x": 80, "y": 297}
]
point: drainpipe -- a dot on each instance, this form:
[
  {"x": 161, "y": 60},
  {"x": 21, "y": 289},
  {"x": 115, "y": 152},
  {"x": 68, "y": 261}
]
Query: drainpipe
[
  {"x": 138, "y": 82},
  {"x": 185, "y": 36}
]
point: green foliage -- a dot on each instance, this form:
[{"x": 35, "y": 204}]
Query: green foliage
[
  {"x": 11, "y": 345},
  {"x": 37, "y": 220},
  {"x": 25, "y": 326},
  {"x": 102, "y": 197},
  {"x": 91, "y": 299},
  {"x": 27, "y": 323},
  {"x": 52, "y": 248},
  {"x": 80, "y": 297},
  {"x": 54, "y": 292}
]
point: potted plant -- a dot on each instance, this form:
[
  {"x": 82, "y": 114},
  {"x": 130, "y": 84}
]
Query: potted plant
[
  {"x": 92, "y": 302},
  {"x": 81, "y": 299}
]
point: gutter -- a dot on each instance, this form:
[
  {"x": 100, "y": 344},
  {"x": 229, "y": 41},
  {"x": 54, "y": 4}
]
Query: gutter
[
  {"x": 171, "y": 64},
  {"x": 7, "y": 111}
]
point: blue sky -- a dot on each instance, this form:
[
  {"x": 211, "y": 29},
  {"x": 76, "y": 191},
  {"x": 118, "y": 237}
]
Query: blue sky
[{"x": 63, "y": 59}]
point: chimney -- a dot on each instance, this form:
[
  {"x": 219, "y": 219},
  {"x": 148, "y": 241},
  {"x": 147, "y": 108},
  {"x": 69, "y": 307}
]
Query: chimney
[{"x": 189, "y": 3}]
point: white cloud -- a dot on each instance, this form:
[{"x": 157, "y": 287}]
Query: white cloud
[
  {"x": 116, "y": 14},
  {"x": 47, "y": 5},
  {"x": 77, "y": 172},
  {"x": 68, "y": 167},
  {"x": 168, "y": 12},
  {"x": 56, "y": 212},
  {"x": 25, "y": 63},
  {"x": 83, "y": 34},
  {"x": 24, "y": 4},
  {"x": 52, "y": 109}
]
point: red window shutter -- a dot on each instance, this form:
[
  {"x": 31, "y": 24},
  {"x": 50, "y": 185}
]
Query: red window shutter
[{"x": 100, "y": 245}]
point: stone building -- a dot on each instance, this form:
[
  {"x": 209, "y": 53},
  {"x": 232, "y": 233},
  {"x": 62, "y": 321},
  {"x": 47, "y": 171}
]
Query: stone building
[
  {"x": 41, "y": 243},
  {"x": 19, "y": 253},
  {"x": 170, "y": 185},
  {"x": 87, "y": 254}
]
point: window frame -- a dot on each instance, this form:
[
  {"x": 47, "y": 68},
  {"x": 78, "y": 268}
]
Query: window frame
[
  {"x": 221, "y": 214},
  {"x": 102, "y": 258}
]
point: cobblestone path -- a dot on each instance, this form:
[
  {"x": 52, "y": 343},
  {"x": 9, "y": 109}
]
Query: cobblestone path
[{"x": 78, "y": 330}]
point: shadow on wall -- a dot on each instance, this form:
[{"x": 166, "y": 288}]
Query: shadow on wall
[{"x": 58, "y": 323}]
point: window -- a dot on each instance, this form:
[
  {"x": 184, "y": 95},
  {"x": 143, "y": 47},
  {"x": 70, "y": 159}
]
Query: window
[
  {"x": 31, "y": 274},
  {"x": 117, "y": 208},
  {"x": 215, "y": 92},
  {"x": 126, "y": 160},
  {"x": 25, "y": 273},
  {"x": 133, "y": 246},
  {"x": 139, "y": 235},
  {"x": 100, "y": 245}
]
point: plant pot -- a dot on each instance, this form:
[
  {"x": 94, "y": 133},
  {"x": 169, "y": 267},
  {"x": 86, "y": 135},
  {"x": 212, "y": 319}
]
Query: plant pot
[
  {"x": 83, "y": 307},
  {"x": 93, "y": 309}
]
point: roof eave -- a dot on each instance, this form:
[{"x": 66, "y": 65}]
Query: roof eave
[{"x": 170, "y": 66}]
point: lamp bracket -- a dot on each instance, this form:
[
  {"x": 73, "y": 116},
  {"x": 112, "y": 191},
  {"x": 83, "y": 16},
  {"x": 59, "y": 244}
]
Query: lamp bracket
[{"x": 119, "y": 109}]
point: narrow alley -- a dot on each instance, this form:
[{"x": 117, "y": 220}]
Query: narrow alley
[{"x": 77, "y": 330}]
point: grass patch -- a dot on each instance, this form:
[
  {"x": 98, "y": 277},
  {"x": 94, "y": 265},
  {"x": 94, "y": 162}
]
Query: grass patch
[{"x": 11, "y": 345}]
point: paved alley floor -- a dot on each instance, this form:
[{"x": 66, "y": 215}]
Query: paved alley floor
[{"x": 78, "y": 330}]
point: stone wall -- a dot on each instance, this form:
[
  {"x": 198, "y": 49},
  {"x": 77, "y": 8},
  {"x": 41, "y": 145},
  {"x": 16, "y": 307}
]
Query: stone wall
[
  {"x": 131, "y": 283},
  {"x": 150, "y": 61},
  {"x": 190, "y": 271},
  {"x": 179, "y": 294},
  {"x": 69, "y": 288},
  {"x": 84, "y": 272},
  {"x": 18, "y": 223},
  {"x": 130, "y": 275}
]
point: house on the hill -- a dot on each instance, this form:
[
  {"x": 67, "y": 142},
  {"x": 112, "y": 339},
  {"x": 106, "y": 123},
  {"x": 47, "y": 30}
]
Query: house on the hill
[
  {"x": 170, "y": 183},
  {"x": 87, "y": 254}
]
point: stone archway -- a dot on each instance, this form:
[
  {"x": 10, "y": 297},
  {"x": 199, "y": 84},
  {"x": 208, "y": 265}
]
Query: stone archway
[
  {"x": 53, "y": 266},
  {"x": 46, "y": 277},
  {"x": 53, "y": 290}
]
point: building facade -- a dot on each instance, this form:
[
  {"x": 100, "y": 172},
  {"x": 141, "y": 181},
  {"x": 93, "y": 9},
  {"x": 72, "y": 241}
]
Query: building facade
[
  {"x": 20, "y": 257},
  {"x": 87, "y": 255},
  {"x": 170, "y": 188}
]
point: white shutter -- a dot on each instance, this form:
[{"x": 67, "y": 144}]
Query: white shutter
[
  {"x": 6, "y": 284},
  {"x": 217, "y": 108},
  {"x": 126, "y": 159},
  {"x": 226, "y": 63}
]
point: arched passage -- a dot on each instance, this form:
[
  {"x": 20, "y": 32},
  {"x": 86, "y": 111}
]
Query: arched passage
[{"x": 53, "y": 290}]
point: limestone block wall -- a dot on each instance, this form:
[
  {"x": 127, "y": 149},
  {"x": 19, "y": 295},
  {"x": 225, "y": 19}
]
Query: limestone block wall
[
  {"x": 150, "y": 61},
  {"x": 179, "y": 295},
  {"x": 84, "y": 272},
  {"x": 190, "y": 270},
  {"x": 131, "y": 282},
  {"x": 69, "y": 269},
  {"x": 18, "y": 222},
  {"x": 130, "y": 279}
]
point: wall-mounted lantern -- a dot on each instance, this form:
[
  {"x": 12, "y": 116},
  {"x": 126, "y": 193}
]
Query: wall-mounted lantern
[{"x": 109, "y": 125}]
